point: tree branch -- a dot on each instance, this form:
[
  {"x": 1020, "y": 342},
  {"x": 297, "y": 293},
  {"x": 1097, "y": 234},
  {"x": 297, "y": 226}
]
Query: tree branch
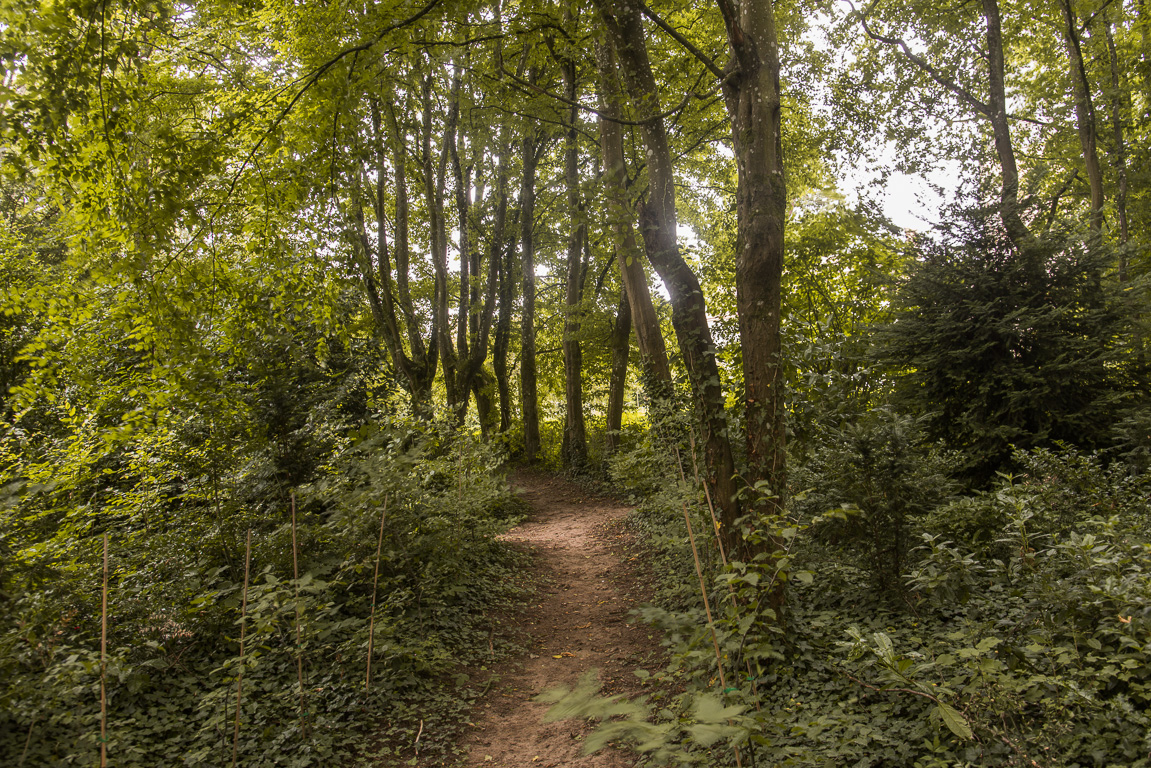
[
  {"x": 920, "y": 62},
  {"x": 675, "y": 35}
]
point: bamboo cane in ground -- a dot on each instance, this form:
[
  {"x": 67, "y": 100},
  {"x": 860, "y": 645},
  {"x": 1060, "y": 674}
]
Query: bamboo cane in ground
[
  {"x": 375, "y": 584},
  {"x": 240, "y": 674},
  {"x": 299, "y": 641},
  {"x": 104, "y": 662},
  {"x": 707, "y": 609}
]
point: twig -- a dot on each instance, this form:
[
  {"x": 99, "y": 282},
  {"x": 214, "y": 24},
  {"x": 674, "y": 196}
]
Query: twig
[
  {"x": 27, "y": 743},
  {"x": 299, "y": 609},
  {"x": 418, "y": 735},
  {"x": 240, "y": 673},
  {"x": 375, "y": 584}
]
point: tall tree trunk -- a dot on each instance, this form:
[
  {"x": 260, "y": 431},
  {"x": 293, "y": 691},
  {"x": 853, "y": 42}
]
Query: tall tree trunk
[
  {"x": 1119, "y": 107},
  {"x": 464, "y": 373},
  {"x": 620, "y": 213},
  {"x": 503, "y": 334},
  {"x": 658, "y": 225},
  {"x": 1084, "y": 112},
  {"x": 620, "y": 351},
  {"x": 1013, "y": 223},
  {"x": 434, "y": 173},
  {"x": 575, "y": 433},
  {"x": 752, "y": 94},
  {"x": 529, "y": 400}
]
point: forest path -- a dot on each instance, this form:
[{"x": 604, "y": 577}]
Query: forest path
[{"x": 587, "y": 575}]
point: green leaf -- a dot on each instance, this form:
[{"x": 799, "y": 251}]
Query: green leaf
[{"x": 955, "y": 722}]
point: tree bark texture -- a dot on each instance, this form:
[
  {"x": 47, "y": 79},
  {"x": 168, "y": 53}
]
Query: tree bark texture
[
  {"x": 529, "y": 399},
  {"x": 575, "y": 437},
  {"x": 658, "y": 226},
  {"x": 752, "y": 95},
  {"x": 621, "y": 215}
]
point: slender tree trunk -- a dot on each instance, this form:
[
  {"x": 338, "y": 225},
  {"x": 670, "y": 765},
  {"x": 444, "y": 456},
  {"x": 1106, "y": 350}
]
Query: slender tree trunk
[
  {"x": 425, "y": 357},
  {"x": 1084, "y": 112},
  {"x": 1016, "y": 229},
  {"x": 752, "y": 94},
  {"x": 464, "y": 372},
  {"x": 575, "y": 433},
  {"x": 529, "y": 401},
  {"x": 434, "y": 173},
  {"x": 620, "y": 213},
  {"x": 503, "y": 334},
  {"x": 658, "y": 225},
  {"x": 620, "y": 351},
  {"x": 1119, "y": 108}
]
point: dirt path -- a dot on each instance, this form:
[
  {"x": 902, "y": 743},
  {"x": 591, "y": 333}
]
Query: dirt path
[{"x": 587, "y": 580}]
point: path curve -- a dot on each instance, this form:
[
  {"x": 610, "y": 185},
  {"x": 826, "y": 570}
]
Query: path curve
[{"x": 587, "y": 579}]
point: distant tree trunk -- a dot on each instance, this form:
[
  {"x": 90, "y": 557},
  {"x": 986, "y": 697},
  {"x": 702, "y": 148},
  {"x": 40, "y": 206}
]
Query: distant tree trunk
[
  {"x": 575, "y": 433},
  {"x": 502, "y": 343},
  {"x": 1084, "y": 112},
  {"x": 1119, "y": 107},
  {"x": 658, "y": 224},
  {"x": 529, "y": 400},
  {"x": 374, "y": 262},
  {"x": 1009, "y": 212},
  {"x": 434, "y": 173},
  {"x": 653, "y": 352},
  {"x": 620, "y": 351}
]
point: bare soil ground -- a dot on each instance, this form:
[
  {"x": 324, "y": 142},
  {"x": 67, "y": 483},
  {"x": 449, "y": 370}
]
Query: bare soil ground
[{"x": 587, "y": 575}]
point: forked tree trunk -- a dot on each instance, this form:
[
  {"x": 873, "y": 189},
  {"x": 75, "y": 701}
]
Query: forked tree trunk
[
  {"x": 658, "y": 225},
  {"x": 621, "y": 215}
]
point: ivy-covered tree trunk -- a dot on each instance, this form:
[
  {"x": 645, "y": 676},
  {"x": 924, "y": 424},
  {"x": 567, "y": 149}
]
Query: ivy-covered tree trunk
[{"x": 751, "y": 91}]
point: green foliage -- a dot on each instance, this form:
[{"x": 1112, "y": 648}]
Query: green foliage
[
  {"x": 174, "y": 604},
  {"x": 1022, "y": 635},
  {"x": 879, "y": 478},
  {"x": 1003, "y": 348}
]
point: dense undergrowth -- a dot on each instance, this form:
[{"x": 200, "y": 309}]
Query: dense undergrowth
[
  {"x": 926, "y": 627},
  {"x": 176, "y": 602}
]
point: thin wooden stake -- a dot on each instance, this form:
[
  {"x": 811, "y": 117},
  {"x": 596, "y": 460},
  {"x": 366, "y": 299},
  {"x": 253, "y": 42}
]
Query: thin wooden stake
[
  {"x": 710, "y": 506},
  {"x": 707, "y": 609},
  {"x": 375, "y": 584},
  {"x": 243, "y": 628},
  {"x": 104, "y": 662},
  {"x": 703, "y": 591},
  {"x": 299, "y": 641}
]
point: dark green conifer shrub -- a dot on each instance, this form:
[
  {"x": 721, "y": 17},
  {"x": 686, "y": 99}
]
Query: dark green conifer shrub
[{"x": 1004, "y": 348}]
